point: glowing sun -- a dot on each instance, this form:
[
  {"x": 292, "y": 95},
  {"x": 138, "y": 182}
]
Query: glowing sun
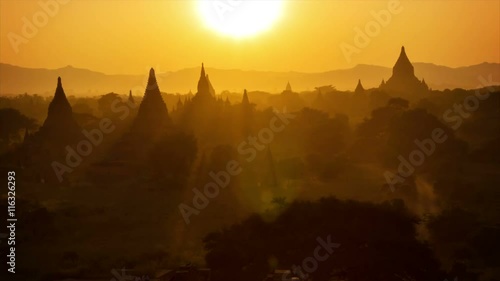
[{"x": 240, "y": 18}]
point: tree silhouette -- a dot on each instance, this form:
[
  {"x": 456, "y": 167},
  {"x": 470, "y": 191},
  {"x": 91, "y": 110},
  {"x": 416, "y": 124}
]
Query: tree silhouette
[
  {"x": 12, "y": 125},
  {"x": 370, "y": 236}
]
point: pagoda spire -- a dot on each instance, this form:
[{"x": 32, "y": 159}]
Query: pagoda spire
[
  {"x": 152, "y": 83},
  {"x": 359, "y": 88},
  {"x": 59, "y": 88},
  {"x": 59, "y": 95},
  {"x": 246, "y": 110},
  {"x": 130, "y": 97},
  {"x": 60, "y": 119},
  {"x": 203, "y": 84},
  {"x": 60, "y": 103},
  {"x": 403, "y": 66},
  {"x": 152, "y": 89},
  {"x": 245, "y": 101},
  {"x": 203, "y": 70},
  {"x": 403, "y": 80},
  {"x": 153, "y": 113}
]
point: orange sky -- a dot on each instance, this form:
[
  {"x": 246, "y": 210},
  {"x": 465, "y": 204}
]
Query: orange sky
[{"x": 128, "y": 37}]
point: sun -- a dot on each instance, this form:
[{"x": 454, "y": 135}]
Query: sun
[{"x": 240, "y": 18}]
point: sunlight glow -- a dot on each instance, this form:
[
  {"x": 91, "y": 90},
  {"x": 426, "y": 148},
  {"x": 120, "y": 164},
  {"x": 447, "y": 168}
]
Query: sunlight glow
[{"x": 242, "y": 18}]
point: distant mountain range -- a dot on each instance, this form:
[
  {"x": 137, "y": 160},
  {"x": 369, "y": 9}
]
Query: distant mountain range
[{"x": 76, "y": 81}]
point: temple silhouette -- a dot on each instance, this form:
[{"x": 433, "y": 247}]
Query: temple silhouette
[
  {"x": 41, "y": 149},
  {"x": 206, "y": 91},
  {"x": 152, "y": 116},
  {"x": 359, "y": 88},
  {"x": 403, "y": 80},
  {"x": 60, "y": 124}
]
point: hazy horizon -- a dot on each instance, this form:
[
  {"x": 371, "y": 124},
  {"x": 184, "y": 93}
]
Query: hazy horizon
[
  {"x": 85, "y": 82},
  {"x": 242, "y": 69}
]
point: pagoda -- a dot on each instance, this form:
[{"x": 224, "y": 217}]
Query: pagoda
[{"x": 403, "y": 79}]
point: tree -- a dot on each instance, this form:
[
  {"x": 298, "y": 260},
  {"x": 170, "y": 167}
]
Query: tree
[
  {"x": 105, "y": 104},
  {"x": 418, "y": 126},
  {"x": 12, "y": 123},
  {"x": 377, "y": 242}
]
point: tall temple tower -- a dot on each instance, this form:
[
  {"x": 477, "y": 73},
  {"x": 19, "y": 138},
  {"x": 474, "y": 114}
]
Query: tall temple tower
[
  {"x": 59, "y": 119},
  {"x": 203, "y": 86},
  {"x": 153, "y": 113},
  {"x": 131, "y": 98},
  {"x": 245, "y": 101},
  {"x": 200, "y": 111},
  {"x": 359, "y": 88},
  {"x": 403, "y": 79}
]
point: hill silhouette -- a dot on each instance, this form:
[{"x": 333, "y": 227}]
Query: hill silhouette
[{"x": 12, "y": 79}]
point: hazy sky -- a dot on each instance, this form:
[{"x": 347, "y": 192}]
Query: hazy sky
[{"x": 128, "y": 37}]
